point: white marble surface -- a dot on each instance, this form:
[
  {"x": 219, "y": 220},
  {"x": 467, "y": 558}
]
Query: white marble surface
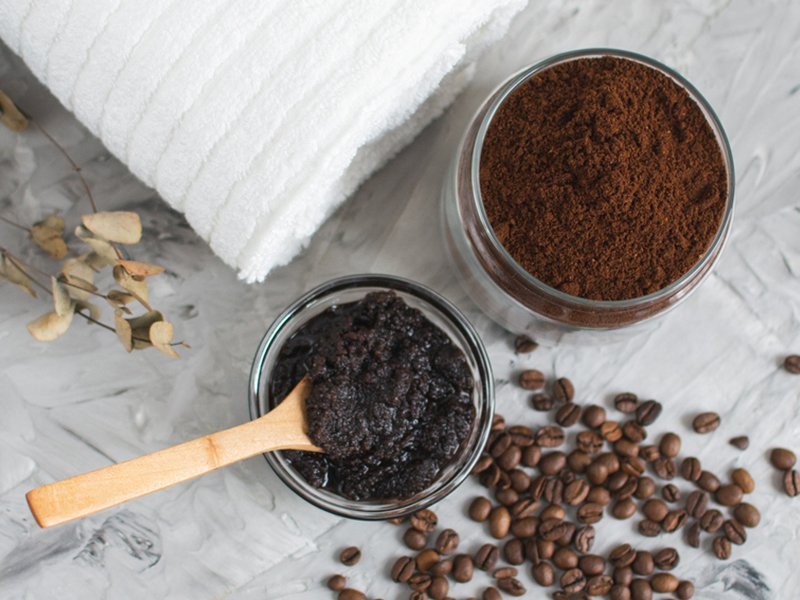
[{"x": 81, "y": 402}]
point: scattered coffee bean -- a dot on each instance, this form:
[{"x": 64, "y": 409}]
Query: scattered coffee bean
[
  {"x": 671, "y": 493},
  {"x": 641, "y": 590},
  {"x": 620, "y": 592},
  {"x": 696, "y": 503},
  {"x": 706, "y": 422},
  {"x": 337, "y": 583},
  {"x": 578, "y": 460},
  {"x": 509, "y": 459},
  {"x": 665, "y": 468},
  {"x": 792, "y": 364},
  {"x": 599, "y": 495},
  {"x": 734, "y": 531},
  {"x": 524, "y": 344},
  {"x": 521, "y": 436},
  {"x": 645, "y": 488},
  {"x": 501, "y": 443},
  {"x": 576, "y": 492},
  {"x": 626, "y": 448},
  {"x": 447, "y": 541},
  {"x": 782, "y": 458},
  {"x": 708, "y": 482},
  {"x": 649, "y": 528},
  {"x": 628, "y": 488},
  {"x": 589, "y": 513},
  {"x": 403, "y": 569},
  {"x": 622, "y": 556},
  {"x": 552, "y": 463},
  {"x": 442, "y": 568},
  {"x": 693, "y": 535},
  {"x": 491, "y": 593},
  {"x": 685, "y": 590},
  {"x": 664, "y": 583},
  {"x": 499, "y": 522},
  {"x": 649, "y": 452},
  {"x": 524, "y": 527},
  {"x": 599, "y": 585},
  {"x": 626, "y": 402},
  {"x": 592, "y": 564},
  {"x": 747, "y": 514},
  {"x": 424, "y": 520},
  {"x": 511, "y": 586},
  {"x": 593, "y": 416},
  {"x": 674, "y": 520},
  {"x": 415, "y": 539},
  {"x": 643, "y": 564},
  {"x": 506, "y": 496},
  {"x": 351, "y": 594},
  {"x": 623, "y": 575},
  {"x": 729, "y": 494},
  {"x": 624, "y": 509},
  {"x": 670, "y": 445},
  {"x": 666, "y": 559},
  {"x": 741, "y": 442},
  {"x": 350, "y": 556},
  {"x": 514, "y": 551},
  {"x": 647, "y": 412},
  {"x": 610, "y": 461},
  {"x": 419, "y": 582},
  {"x": 438, "y": 588},
  {"x": 568, "y": 414},
  {"x": 531, "y": 379},
  {"x": 504, "y": 572},
  {"x": 479, "y": 510},
  {"x": 542, "y": 402},
  {"x": 691, "y": 469},
  {"x": 584, "y": 539},
  {"x": 484, "y": 462},
  {"x": 634, "y": 432},
  {"x": 463, "y": 567},
  {"x": 426, "y": 559},
  {"x": 550, "y": 436},
  {"x": 544, "y": 574},
  {"x": 486, "y": 557},
  {"x": 721, "y": 547},
  {"x": 744, "y": 480},
  {"x": 712, "y": 520},
  {"x": 531, "y": 456},
  {"x": 590, "y": 442},
  {"x": 563, "y": 390},
  {"x": 573, "y": 581},
  {"x": 611, "y": 431},
  {"x": 791, "y": 483},
  {"x": 655, "y": 510}
]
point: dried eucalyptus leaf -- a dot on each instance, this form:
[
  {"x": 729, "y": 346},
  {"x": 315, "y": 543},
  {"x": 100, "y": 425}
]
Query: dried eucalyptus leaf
[
  {"x": 99, "y": 246},
  {"x": 140, "y": 341},
  {"x": 117, "y": 226},
  {"x": 84, "y": 307},
  {"x": 78, "y": 288},
  {"x": 53, "y": 222},
  {"x": 77, "y": 267},
  {"x": 96, "y": 262},
  {"x": 146, "y": 320},
  {"x": 118, "y": 297},
  {"x": 140, "y": 269},
  {"x": 47, "y": 234},
  {"x": 10, "y": 115},
  {"x": 50, "y": 326},
  {"x": 135, "y": 285},
  {"x": 61, "y": 300},
  {"x": 161, "y": 334},
  {"x": 16, "y": 275},
  {"x": 124, "y": 332}
]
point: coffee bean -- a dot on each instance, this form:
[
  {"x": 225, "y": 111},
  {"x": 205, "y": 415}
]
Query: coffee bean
[
  {"x": 438, "y": 588},
  {"x": 610, "y": 461},
  {"x": 350, "y": 556},
  {"x": 511, "y": 586},
  {"x": 554, "y": 491},
  {"x": 578, "y": 460},
  {"x": 620, "y": 592},
  {"x": 576, "y": 492},
  {"x": 426, "y": 559},
  {"x": 623, "y": 575},
  {"x": 524, "y": 508},
  {"x": 597, "y": 473},
  {"x": 634, "y": 432},
  {"x": 665, "y": 468},
  {"x": 622, "y": 556},
  {"x": 484, "y": 462},
  {"x": 504, "y": 572},
  {"x": 649, "y": 528},
  {"x": 696, "y": 504},
  {"x": 610, "y": 431},
  {"x": 442, "y": 568},
  {"x": 447, "y": 541},
  {"x": 573, "y": 581},
  {"x": 626, "y": 448},
  {"x": 569, "y": 533},
  {"x": 463, "y": 566},
  {"x": 499, "y": 522},
  {"x": 593, "y": 416},
  {"x": 744, "y": 480},
  {"x": 624, "y": 509},
  {"x": 649, "y": 453},
  {"x": 645, "y": 488},
  {"x": 708, "y": 482},
  {"x": 641, "y": 590},
  {"x": 479, "y": 510},
  {"x": 664, "y": 583},
  {"x": 599, "y": 585},
  {"x": 568, "y": 414},
  {"x": 647, "y": 412},
  {"x": 498, "y": 423},
  {"x": 531, "y": 379},
  {"x": 729, "y": 494},
  {"x": 415, "y": 539},
  {"x": 782, "y": 458},
  {"x": 543, "y": 574},
  {"x": 524, "y": 527},
  {"x": 666, "y": 559},
  {"x": 671, "y": 493},
  {"x": 791, "y": 483},
  {"x": 599, "y": 495},
  {"x": 792, "y": 364},
  {"x": 747, "y": 515},
  {"x": 626, "y": 402},
  {"x": 551, "y": 529},
  {"x": 524, "y": 344},
  {"x": 584, "y": 539},
  {"x": 521, "y": 436},
  {"x": 424, "y": 520},
  {"x": 486, "y": 557},
  {"x": 589, "y": 513},
  {"x": 735, "y": 532},
  {"x": 514, "y": 551},
  {"x": 403, "y": 569},
  {"x": 589, "y": 441},
  {"x": 351, "y": 594},
  {"x": 564, "y": 559},
  {"x": 674, "y": 520},
  {"x": 643, "y": 563},
  {"x": 545, "y": 549},
  {"x": 506, "y": 496},
  {"x": 531, "y": 456},
  {"x": 500, "y": 444},
  {"x": 741, "y": 442},
  {"x": 712, "y": 520},
  {"x": 419, "y": 582},
  {"x": 491, "y": 593},
  {"x": 670, "y": 445},
  {"x": 632, "y": 465},
  {"x": 721, "y": 547},
  {"x": 655, "y": 509},
  {"x": 542, "y": 402},
  {"x": 592, "y": 564},
  {"x": 563, "y": 390},
  {"x": 619, "y": 481},
  {"x": 691, "y": 469},
  {"x": 337, "y": 583},
  {"x": 550, "y": 436},
  {"x": 509, "y": 459},
  {"x": 685, "y": 590},
  {"x": 706, "y": 422}
]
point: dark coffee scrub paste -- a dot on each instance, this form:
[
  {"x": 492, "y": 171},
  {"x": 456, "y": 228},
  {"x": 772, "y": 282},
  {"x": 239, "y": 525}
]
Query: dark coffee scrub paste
[
  {"x": 602, "y": 178},
  {"x": 391, "y": 401}
]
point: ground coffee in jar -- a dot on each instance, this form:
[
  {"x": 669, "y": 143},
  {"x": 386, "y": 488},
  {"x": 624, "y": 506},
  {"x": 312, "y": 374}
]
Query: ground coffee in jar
[{"x": 602, "y": 178}]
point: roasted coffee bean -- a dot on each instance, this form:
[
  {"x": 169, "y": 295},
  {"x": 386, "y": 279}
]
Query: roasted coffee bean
[
  {"x": 564, "y": 559},
  {"x": 623, "y": 575},
  {"x": 486, "y": 557},
  {"x": 744, "y": 480},
  {"x": 674, "y": 520},
  {"x": 696, "y": 504},
  {"x": 734, "y": 531},
  {"x": 645, "y": 488},
  {"x": 712, "y": 520},
  {"x": 521, "y": 436},
  {"x": 670, "y": 445},
  {"x": 622, "y": 556},
  {"x": 351, "y": 594},
  {"x": 566, "y": 476},
  {"x": 665, "y": 468},
  {"x": 542, "y": 402},
  {"x": 524, "y": 344},
  {"x": 507, "y": 496},
  {"x": 649, "y": 453},
  {"x": 484, "y": 462},
  {"x": 634, "y": 432},
  {"x": 664, "y": 583},
  {"x": 706, "y": 422},
  {"x": 584, "y": 539},
  {"x": 647, "y": 412},
  {"x": 792, "y": 364},
  {"x": 671, "y": 493},
  {"x": 550, "y": 436},
  {"x": 655, "y": 509},
  {"x": 514, "y": 552},
  {"x": 531, "y": 456},
  {"x": 442, "y": 568},
  {"x": 589, "y": 513},
  {"x": 524, "y": 527},
  {"x": 741, "y": 442},
  {"x": 439, "y": 588},
  {"x": 592, "y": 564},
  {"x": 649, "y": 528},
  {"x": 620, "y": 592},
  {"x": 419, "y": 582},
  {"x": 593, "y": 416},
  {"x": 628, "y": 488},
  {"x": 599, "y": 495},
  {"x": 426, "y": 559},
  {"x": 552, "y": 529},
  {"x": 447, "y": 542},
  {"x": 569, "y": 533},
  {"x": 479, "y": 510},
  {"x": 560, "y": 595},
  {"x": 576, "y": 492},
  {"x": 504, "y": 572},
  {"x": 501, "y": 443},
  {"x": 693, "y": 535},
  {"x": 747, "y": 515},
  {"x": 573, "y": 581},
  {"x": 599, "y": 585},
  {"x": 531, "y": 379},
  {"x": 578, "y": 460},
  {"x": 589, "y": 441},
  {"x": 568, "y": 414},
  {"x": 708, "y": 482},
  {"x": 641, "y": 590},
  {"x": 498, "y": 423},
  {"x": 643, "y": 564},
  {"x": 552, "y": 463},
  {"x": 545, "y": 549},
  {"x": 511, "y": 586},
  {"x": 337, "y": 583},
  {"x": 537, "y": 487},
  {"x": 543, "y": 574},
  {"x": 424, "y": 520},
  {"x": 729, "y": 495},
  {"x": 626, "y": 448},
  {"x": 491, "y": 593},
  {"x": 666, "y": 559},
  {"x": 626, "y": 402},
  {"x": 691, "y": 469},
  {"x": 610, "y": 431},
  {"x": 721, "y": 547},
  {"x": 782, "y": 458},
  {"x": 563, "y": 390},
  {"x": 524, "y": 508},
  {"x": 610, "y": 461},
  {"x": 791, "y": 483},
  {"x": 350, "y": 556},
  {"x": 617, "y": 481},
  {"x": 624, "y": 509},
  {"x": 415, "y": 539},
  {"x": 685, "y": 590},
  {"x": 463, "y": 566},
  {"x": 554, "y": 491},
  {"x": 499, "y": 522},
  {"x": 403, "y": 569},
  {"x": 509, "y": 459},
  {"x": 632, "y": 465},
  {"x": 597, "y": 473}
]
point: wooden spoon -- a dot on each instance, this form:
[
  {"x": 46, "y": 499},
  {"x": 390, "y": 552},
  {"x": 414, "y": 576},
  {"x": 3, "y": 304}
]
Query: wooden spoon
[{"x": 282, "y": 428}]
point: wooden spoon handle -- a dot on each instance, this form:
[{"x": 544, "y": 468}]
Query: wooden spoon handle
[{"x": 82, "y": 495}]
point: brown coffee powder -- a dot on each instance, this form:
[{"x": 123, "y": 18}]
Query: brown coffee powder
[{"x": 602, "y": 178}]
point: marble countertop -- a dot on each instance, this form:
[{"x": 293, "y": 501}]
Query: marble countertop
[{"x": 82, "y": 403}]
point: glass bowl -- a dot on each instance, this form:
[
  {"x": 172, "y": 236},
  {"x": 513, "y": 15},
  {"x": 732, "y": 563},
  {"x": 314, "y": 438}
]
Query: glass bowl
[{"x": 439, "y": 311}]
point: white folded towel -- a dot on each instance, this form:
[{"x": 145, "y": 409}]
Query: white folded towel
[{"x": 256, "y": 118}]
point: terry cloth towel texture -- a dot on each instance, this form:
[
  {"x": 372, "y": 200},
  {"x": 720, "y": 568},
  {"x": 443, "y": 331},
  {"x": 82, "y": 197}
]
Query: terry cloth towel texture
[{"x": 255, "y": 118}]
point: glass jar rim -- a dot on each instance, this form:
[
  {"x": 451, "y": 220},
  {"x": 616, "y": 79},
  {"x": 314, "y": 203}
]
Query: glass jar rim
[
  {"x": 484, "y": 399},
  {"x": 510, "y": 85}
]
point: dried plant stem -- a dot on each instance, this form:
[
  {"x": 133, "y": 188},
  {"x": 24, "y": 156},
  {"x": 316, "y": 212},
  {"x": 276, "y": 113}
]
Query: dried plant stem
[{"x": 12, "y": 223}]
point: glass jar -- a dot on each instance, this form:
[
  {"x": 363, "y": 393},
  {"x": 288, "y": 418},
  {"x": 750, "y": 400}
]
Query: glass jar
[
  {"x": 515, "y": 298},
  {"x": 440, "y": 312}
]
